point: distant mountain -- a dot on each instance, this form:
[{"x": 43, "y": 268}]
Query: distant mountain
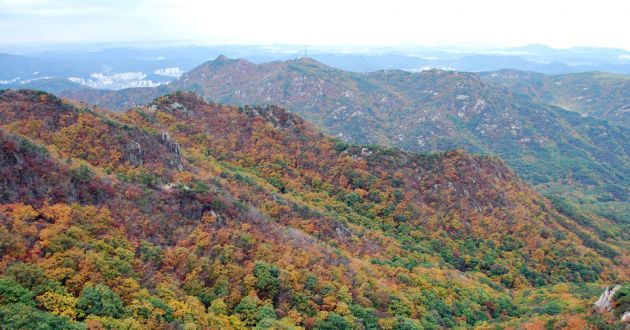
[
  {"x": 216, "y": 216},
  {"x": 51, "y": 85},
  {"x": 88, "y": 69},
  {"x": 125, "y": 67},
  {"x": 116, "y": 100},
  {"x": 13, "y": 66},
  {"x": 480, "y": 63},
  {"x": 596, "y": 94}
]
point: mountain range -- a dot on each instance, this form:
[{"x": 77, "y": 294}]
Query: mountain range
[
  {"x": 187, "y": 214},
  {"x": 117, "y": 67},
  {"x": 515, "y": 115}
]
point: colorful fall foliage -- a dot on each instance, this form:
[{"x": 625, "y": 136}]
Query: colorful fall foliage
[{"x": 184, "y": 214}]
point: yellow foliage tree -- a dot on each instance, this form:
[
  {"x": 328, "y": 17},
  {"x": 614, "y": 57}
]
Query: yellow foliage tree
[{"x": 59, "y": 304}]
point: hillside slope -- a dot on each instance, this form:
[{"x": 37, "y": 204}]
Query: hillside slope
[
  {"x": 560, "y": 152},
  {"x": 188, "y": 214}
]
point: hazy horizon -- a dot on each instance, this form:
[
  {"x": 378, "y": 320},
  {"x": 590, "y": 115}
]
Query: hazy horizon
[
  {"x": 353, "y": 24},
  {"x": 288, "y": 48}
]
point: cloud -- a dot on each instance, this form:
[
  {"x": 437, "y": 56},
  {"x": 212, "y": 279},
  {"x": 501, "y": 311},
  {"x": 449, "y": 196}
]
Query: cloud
[{"x": 41, "y": 21}]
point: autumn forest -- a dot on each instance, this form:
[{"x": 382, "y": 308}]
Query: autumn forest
[{"x": 184, "y": 214}]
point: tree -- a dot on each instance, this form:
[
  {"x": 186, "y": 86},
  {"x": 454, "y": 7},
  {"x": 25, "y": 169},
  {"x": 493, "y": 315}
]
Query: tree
[
  {"x": 12, "y": 292},
  {"x": 20, "y": 316},
  {"x": 398, "y": 305},
  {"x": 150, "y": 252},
  {"x": 333, "y": 321},
  {"x": 150, "y": 308},
  {"x": 59, "y": 304},
  {"x": 272, "y": 324},
  {"x": 100, "y": 300},
  {"x": 218, "y": 307},
  {"x": 247, "y": 309},
  {"x": 31, "y": 277},
  {"x": 267, "y": 278},
  {"x": 266, "y": 311},
  {"x": 403, "y": 323},
  {"x": 367, "y": 316},
  {"x": 554, "y": 307}
]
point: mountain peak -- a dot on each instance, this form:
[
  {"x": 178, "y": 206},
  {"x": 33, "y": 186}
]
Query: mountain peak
[
  {"x": 182, "y": 103},
  {"x": 221, "y": 58},
  {"x": 224, "y": 60},
  {"x": 308, "y": 61}
]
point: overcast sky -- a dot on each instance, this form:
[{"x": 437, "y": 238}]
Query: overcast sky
[{"x": 557, "y": 23}]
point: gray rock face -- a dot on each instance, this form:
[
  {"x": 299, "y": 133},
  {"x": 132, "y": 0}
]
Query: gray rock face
[
  {"x": 178, "y": 107},
  {"x": 276, "y": 116},
  {"x": 604, "y": 303},
  {"x": 134, "y": 153},
  {"x": 174, "y": 147}
]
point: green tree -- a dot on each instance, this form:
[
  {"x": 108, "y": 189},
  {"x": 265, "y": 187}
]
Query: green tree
[
  {"x": 403, "y": 323},
  {"x": 20, "y": 317},
  {"x": 352, "y": 199},
  {"x": 334, "y": 321},
  {"x": 267, "y": 280},
  {"x": 247, "y": 309},
  {"x": 100, "y": 300},
  {"x": 12, "y": 292},
  {"x": 266, "y": 311},
  {"x": 31, "y": 277},
  {"x": 554, "y": 307},
  {"x": 399, "y": 306},
  {"x": 367, "y": 316},
  {"x": 151, "y": 252}
]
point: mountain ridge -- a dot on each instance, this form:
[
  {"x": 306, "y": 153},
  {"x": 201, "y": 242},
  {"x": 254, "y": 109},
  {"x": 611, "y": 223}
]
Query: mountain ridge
[{"x": 428, "y": 111}]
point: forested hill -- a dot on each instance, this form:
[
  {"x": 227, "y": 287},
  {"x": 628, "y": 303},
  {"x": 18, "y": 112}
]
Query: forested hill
[
  {"x": 184, "y": 214},
  {"x": 515, "y": 117}
]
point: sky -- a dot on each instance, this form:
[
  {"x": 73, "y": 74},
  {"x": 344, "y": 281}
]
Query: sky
[{"x": 499, "y": 23}]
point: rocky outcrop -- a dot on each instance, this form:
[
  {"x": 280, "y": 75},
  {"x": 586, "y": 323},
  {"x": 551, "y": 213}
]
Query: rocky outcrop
[
  {"x": 605, "y": 303},
  {"x": 174, "y": 147},
  {"x": 134, "y": 153},
  {"x": 178, "y": 108},
  {"x": 277, "y": 116}
]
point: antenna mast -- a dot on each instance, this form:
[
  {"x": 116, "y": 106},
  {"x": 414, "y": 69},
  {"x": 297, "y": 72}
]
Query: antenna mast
[{"x": 305, "y": 51}]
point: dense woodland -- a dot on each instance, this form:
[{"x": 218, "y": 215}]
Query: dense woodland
[{"x": 188, "y": 215}]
